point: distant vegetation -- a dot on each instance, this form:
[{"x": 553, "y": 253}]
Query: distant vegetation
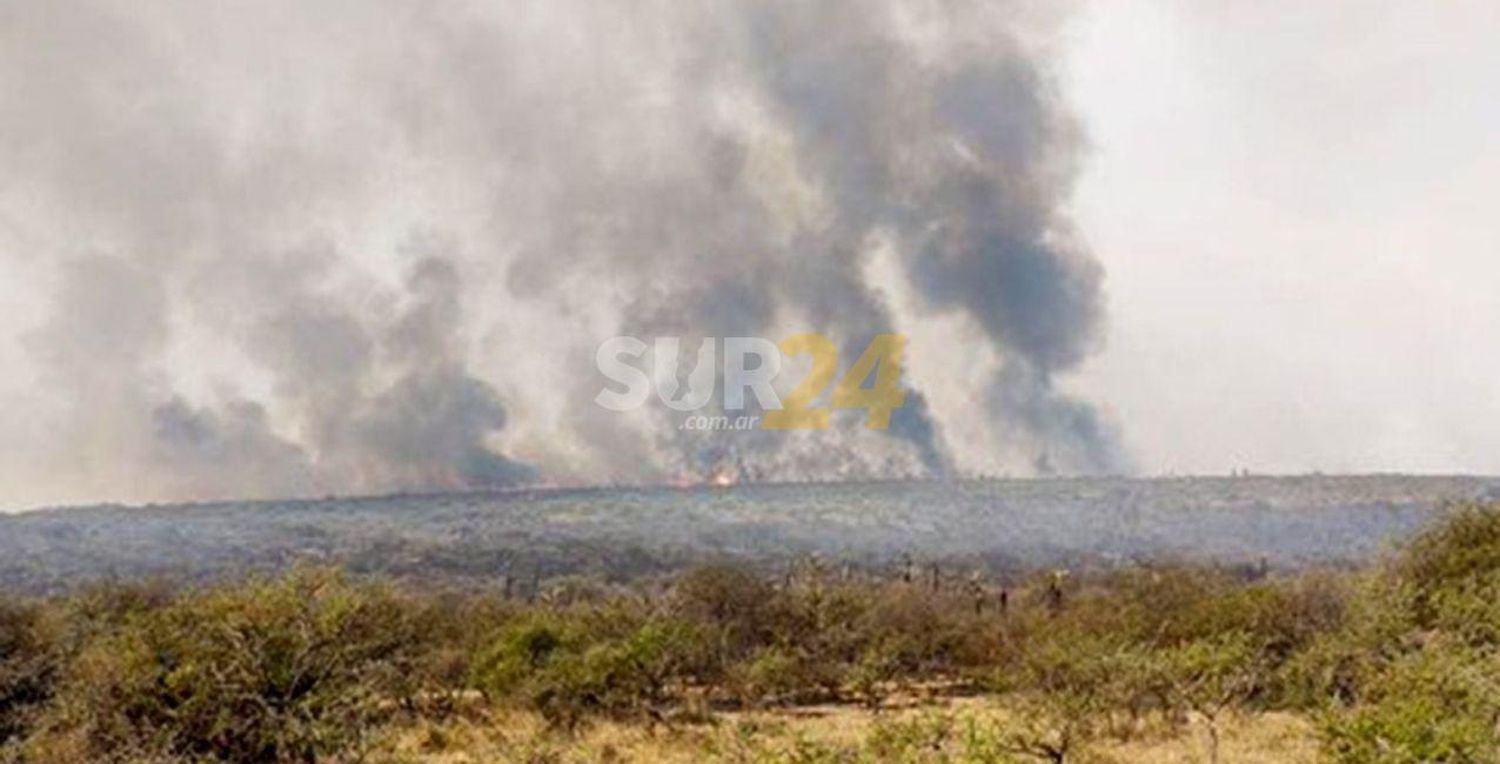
[
  {"x": 1396, "y": 663},
  {"x": 1002, "y": 527}
]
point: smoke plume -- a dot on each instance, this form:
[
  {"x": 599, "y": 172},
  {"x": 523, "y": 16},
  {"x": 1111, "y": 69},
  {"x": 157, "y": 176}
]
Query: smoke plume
[{"x": 302, "y": 248}]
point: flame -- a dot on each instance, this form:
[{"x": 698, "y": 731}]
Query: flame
[{"x": 724, "y": 477}]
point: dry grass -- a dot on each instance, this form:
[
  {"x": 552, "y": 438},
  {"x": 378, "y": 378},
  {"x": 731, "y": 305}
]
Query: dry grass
[
  {"x": 1273, "y": 738},
  {"x": 745, "y": 737}
]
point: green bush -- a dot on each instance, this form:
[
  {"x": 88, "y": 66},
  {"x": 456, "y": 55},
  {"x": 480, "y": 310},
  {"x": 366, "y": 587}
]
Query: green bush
[
  {"x": 28, "y": 665},
  {"x": 520, "y": 651},
  {"x": 1214, "y": 676},
  {"x": 784, "y": 675},
  {"x": 735, "y": 603},
  {"x": 1440, "y": 704},
  {"x": 291, "y": 670},
  {"x": 566, "y": 671},
  {"x": 1414, "y": 675},
  {"x": 1338, "y": 664},
  {"x": 1464, "y": 546},
  {"x": 1064, "y": 685}
]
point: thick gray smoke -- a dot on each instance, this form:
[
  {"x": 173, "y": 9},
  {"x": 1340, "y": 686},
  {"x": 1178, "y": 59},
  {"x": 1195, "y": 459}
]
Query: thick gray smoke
[{"x": 333, "y": 247}]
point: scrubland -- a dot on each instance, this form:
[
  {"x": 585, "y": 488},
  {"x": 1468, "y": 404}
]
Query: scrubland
[{"x": 1396, "y": 662}]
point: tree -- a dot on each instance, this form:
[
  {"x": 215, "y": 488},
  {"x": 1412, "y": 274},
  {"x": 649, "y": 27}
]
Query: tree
[{"x": 1211, "y": 677}]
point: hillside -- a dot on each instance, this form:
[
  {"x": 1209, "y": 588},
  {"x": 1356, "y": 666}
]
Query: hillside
[{"x": 624, "y": 533}]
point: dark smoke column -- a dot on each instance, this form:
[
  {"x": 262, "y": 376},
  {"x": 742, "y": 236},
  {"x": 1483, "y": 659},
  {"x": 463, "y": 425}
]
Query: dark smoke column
[{"x": 938, "y": 126}]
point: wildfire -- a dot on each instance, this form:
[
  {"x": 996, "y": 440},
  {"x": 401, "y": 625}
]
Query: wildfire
[
  {"x": 721, "y": 476},
  {"x": 724, "y": 477}
]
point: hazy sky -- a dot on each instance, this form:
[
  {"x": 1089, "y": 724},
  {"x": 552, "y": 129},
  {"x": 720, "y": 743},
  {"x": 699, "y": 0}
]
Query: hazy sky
[
  {"x": 370, "y": 247},
  {"x": 1296, "y": 205}
]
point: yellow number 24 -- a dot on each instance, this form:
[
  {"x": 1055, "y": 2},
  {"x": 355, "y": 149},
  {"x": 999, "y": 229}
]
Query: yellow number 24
[{"x": 882, "y": 356}]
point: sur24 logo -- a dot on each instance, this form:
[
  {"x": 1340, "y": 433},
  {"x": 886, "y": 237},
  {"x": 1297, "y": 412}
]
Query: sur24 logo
[{"x": 872, "y": 382}]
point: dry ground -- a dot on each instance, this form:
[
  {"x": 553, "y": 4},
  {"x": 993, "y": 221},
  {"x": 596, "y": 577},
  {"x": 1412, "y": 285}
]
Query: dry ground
[{"x": 797, "y": 735}]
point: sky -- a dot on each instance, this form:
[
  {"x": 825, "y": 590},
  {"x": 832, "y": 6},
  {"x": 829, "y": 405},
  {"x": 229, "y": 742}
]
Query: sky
[
  {"x": 1295, "y": 206},
  {"x": 372, "y": 247}
]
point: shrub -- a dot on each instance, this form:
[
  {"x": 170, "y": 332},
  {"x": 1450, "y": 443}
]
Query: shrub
[
  {"x": 735, "y": 602},
  {"x": 1212, "y": 676},
  {"x": 783, "y": 675},
  {"x": 1414, "y": 670},
  {"x": 566, "y": 671},
  {"x": 1337, "y": 665},
  {"x": 1437, "y": 705},
  {"x": 28, "y": 665},
  {"x": 877, "y": 667},
  {"x": 925, "y": 632},
  {"x": 1065, "y": 687},
  {"x": 283, "y": 671},
  {"x": 520, "y": 651},
  {"x": 921, "y": 739},
  {"x": 1464, "y": 546}
]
